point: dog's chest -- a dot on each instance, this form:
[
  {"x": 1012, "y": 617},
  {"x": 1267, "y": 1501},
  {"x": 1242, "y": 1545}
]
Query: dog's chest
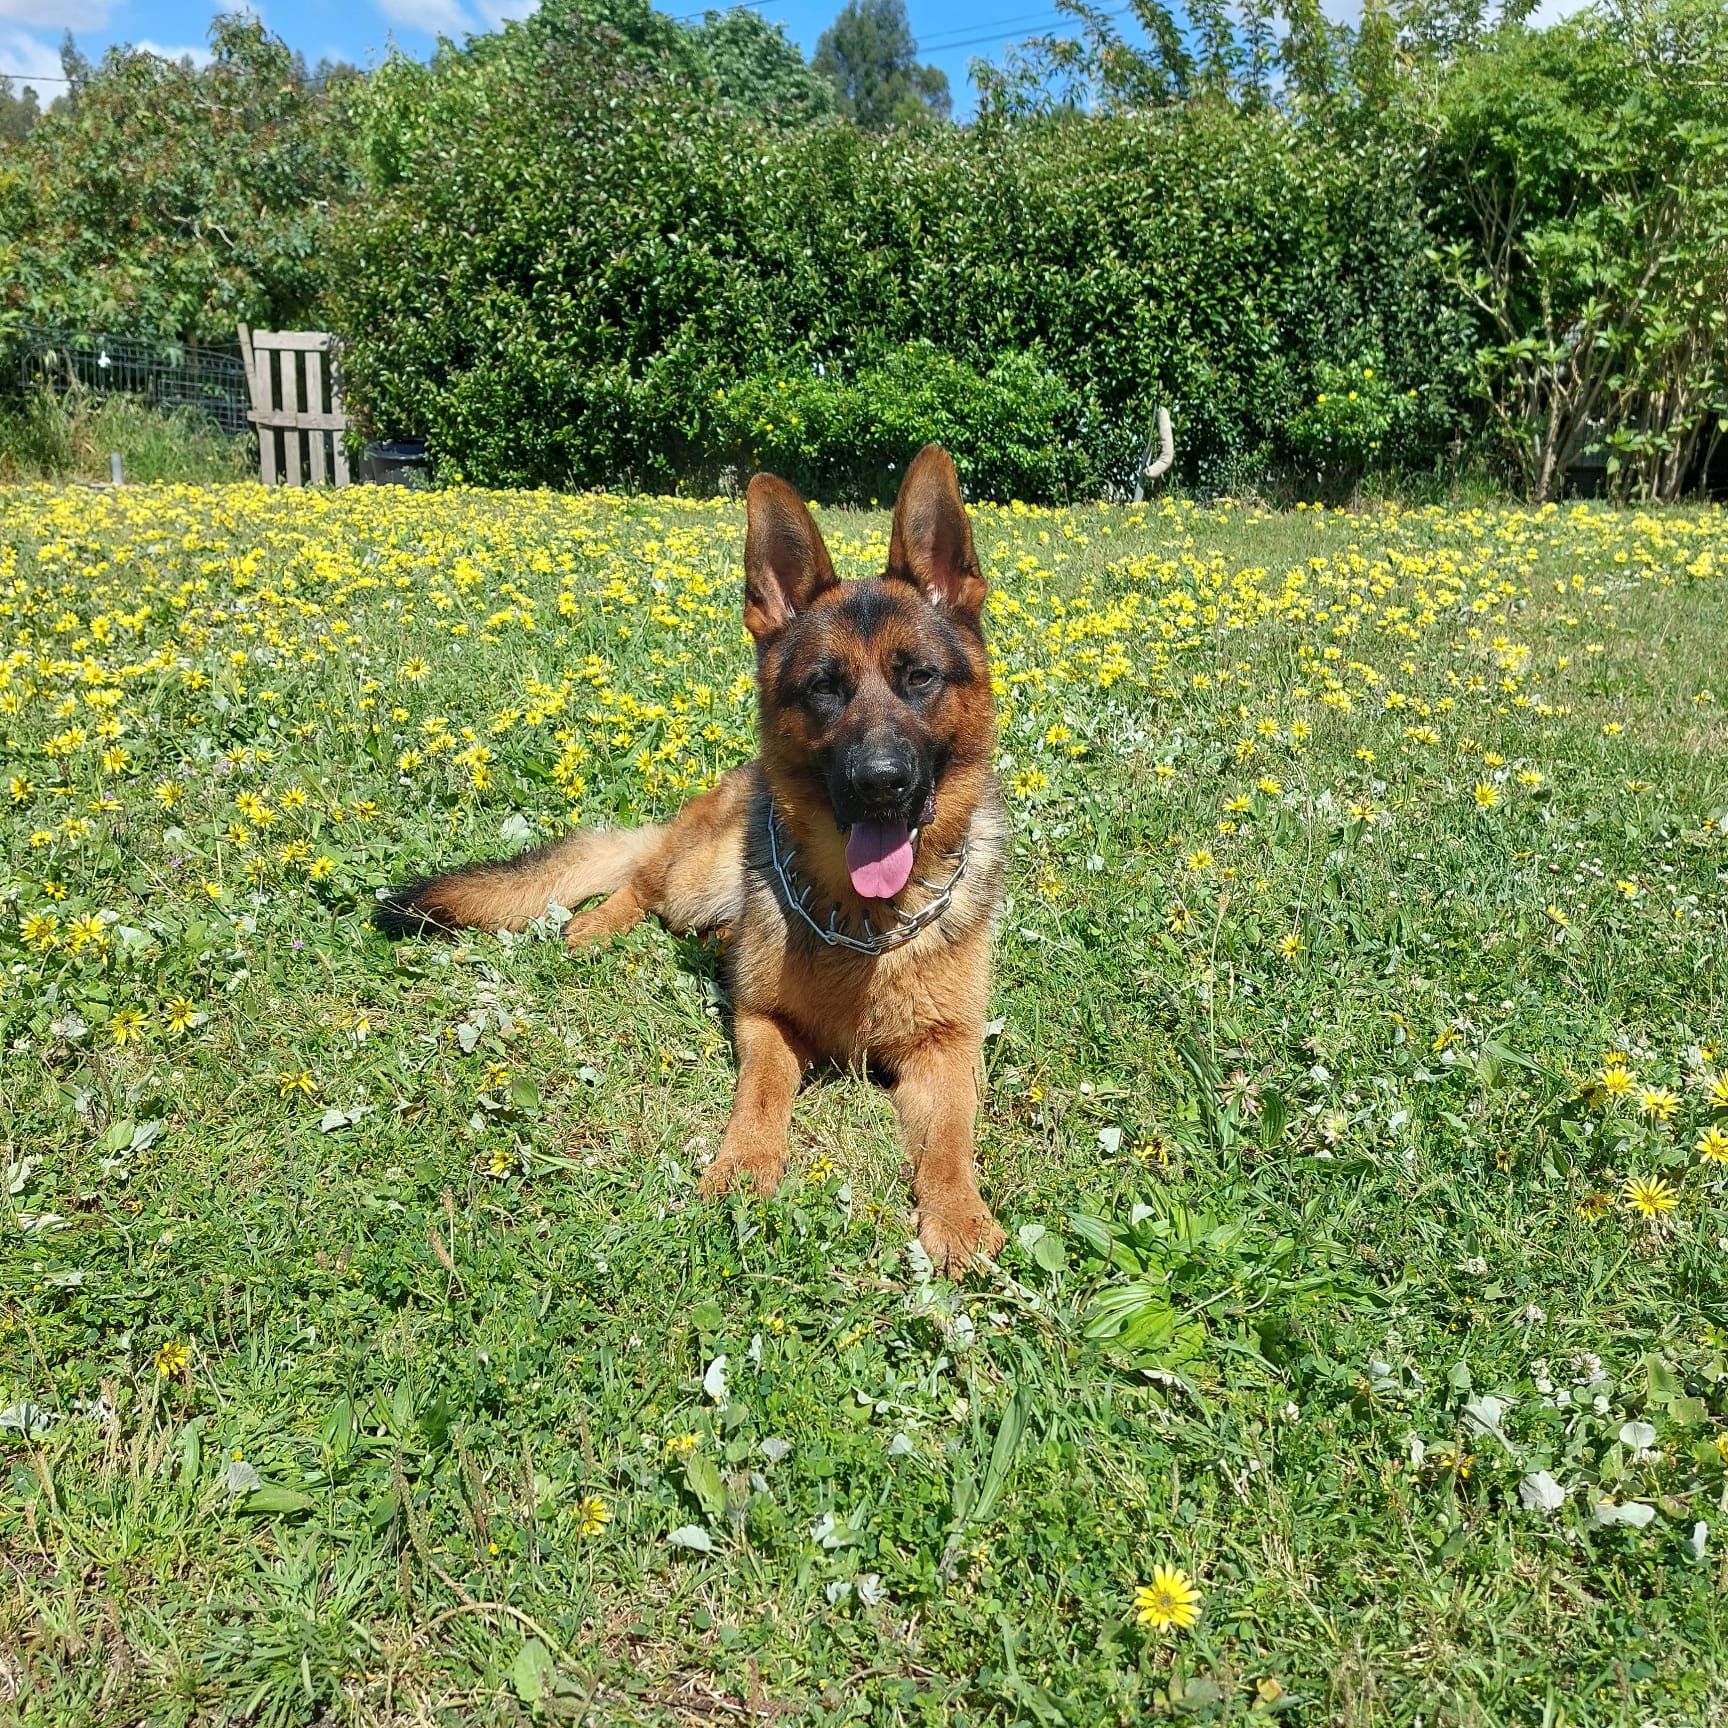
[{"x": 852, "y": 1006}]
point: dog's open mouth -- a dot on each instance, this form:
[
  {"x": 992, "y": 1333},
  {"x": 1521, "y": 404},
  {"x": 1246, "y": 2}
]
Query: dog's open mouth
[
  {"x": 879, "y": 858},
  {"x": 879, "y": 853}
]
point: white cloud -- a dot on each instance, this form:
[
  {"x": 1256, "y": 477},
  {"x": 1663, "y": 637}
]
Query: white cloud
[
  {"x": 497, "y": 12},
  {"x": 197, "y": 53},
  {"x": 1552, "y": 11},
  {"x": 57, "y": 15},
  {"x": 432, "y": 17},
  {"x": 27, "y": 58}
]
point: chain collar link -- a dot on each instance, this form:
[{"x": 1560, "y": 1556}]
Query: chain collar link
[{"x": 874, "y": 941}]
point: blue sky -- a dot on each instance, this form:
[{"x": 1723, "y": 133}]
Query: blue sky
[{"x": 950, "y": 32}]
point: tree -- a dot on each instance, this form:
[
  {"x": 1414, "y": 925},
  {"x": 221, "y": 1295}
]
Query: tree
[
  {"x": 756, "y": 70},
  {"x": 1579, "y": 194},
  {"x": 169, "y": 201},
  {"x": 869, "y": 56},
  {"x": 18, "y": 112}
]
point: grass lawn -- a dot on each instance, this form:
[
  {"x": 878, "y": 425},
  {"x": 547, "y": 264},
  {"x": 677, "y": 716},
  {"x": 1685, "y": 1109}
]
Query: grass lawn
[{"x": 1355, "y": 1110}]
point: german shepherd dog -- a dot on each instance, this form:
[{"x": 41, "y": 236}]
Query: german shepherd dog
[{"x": 858, "y": 862}]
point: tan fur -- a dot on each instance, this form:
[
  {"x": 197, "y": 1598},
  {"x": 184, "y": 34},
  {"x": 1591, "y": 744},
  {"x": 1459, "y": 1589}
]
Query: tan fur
[{"x": 915, "y": 1013}]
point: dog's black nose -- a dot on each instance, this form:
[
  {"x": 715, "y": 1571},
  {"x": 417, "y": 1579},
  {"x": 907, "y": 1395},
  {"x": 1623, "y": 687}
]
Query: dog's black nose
[{"x": 882, "y": 777}]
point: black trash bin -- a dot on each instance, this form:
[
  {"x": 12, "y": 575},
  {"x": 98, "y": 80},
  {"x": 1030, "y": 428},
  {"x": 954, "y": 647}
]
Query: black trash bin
[{"x": 395, "y": 462}]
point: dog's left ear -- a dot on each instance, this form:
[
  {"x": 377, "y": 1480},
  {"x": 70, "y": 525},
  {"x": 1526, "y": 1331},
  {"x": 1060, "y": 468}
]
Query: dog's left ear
[{"x": 931, "y": 544}]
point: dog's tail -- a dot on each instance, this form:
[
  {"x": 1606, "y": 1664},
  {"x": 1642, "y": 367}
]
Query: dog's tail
[{"x": 510, "y": 893}]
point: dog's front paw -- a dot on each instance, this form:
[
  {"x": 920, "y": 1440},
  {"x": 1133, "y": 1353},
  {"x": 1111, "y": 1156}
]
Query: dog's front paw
[
  {"x": 738, "y": 1169},
  {"x": 587, "y": 929},
  {"x": 957, "y": 1233}
]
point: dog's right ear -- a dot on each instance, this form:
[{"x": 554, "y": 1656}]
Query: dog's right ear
[{"x": 786, "y": 564}]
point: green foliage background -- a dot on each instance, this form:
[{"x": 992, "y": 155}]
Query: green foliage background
[{"x": 603, "y": 247}]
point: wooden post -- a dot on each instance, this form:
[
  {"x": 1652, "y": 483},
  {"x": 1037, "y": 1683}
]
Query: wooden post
[
  {"x": 317, "y": 470},
  {"x": 1155, "y": 468}
]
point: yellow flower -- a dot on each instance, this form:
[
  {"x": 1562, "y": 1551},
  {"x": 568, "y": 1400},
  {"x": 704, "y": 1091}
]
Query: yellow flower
[
  {"x": 1713, "y": 1145},
  {"x": 592, "y": 1515},
  {"x": 1719, "y": 1091},
  {"x": 179, "y": 1014},
  {"x": 171, "y": 1358},
  {"x": 1649, "y": 1196},
  {"x": 125, "y": 1025},
  {"x": 40, "y": 931},
  {"x": 301, "y": 1082},
  {"x": 1169, "y": 1600},
  {"x": 1615, "y": 1079},
  {"x": 1659, "y": 1102},
  {"x": 1486, "y": 795},
  {"x": 87, "y": 931},
  {"x": 1594, "y": 1206}
]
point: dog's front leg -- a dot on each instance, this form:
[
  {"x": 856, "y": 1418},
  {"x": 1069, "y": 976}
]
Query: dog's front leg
[
  {"x": 771, "y": 1061},
  {"x": 936, "y": 1095}
]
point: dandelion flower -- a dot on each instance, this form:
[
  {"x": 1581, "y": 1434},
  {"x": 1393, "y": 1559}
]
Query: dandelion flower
[
  {"x": 1486, "y": 795},
  {"x": 1649, "y": 1196},
  {"x": 40, "y": 931},
  {"x": 125, "y": 1025},
  {"x": 288, "y": 1084},
  {"x": 1713, "y": 1145},
  {"x": 592, "y": 1515},
  {"x": 1719, "y": 1091},
  {"x": 171, "y": 1358},
  {"x": 180, "y": 1014},
  {"x": 1658, "y": 1102},
  {"x": 1169, "y": 1600},
  {"x": 1615, "y": 1079}
]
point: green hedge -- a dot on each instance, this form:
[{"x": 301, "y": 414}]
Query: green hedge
[{"x": 582, "y": 272}]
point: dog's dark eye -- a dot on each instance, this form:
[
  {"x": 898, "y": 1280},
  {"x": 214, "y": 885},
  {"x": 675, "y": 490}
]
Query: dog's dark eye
[
  {"x": 920, "y": 680},
  {"x": 824, "y": 691}
]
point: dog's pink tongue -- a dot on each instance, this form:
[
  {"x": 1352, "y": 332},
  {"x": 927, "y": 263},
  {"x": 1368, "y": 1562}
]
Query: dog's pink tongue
[{"x": 879, "y": 858}]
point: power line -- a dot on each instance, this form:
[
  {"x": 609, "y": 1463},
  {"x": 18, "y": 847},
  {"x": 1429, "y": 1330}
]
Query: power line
[
  {"x": 1028, "y": 20},
  {"x": 734, "y": 6},
  {"x": 999, "y": 35},
  {"x": 939, "y": 44}
]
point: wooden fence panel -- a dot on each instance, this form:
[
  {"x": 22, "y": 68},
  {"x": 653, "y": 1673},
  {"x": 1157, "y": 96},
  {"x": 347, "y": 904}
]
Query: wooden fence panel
[{"x": 297, "y": 397}]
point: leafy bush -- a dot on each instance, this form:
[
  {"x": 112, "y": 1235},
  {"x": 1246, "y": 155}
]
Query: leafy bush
[
  {"x": 844, "y": 438},
  {"x": 578, "y": 254},
  {"x": 1355, "y": 422}
]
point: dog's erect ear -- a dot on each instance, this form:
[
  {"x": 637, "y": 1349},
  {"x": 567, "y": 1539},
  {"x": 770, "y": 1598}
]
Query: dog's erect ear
[
  {"x": 785, "y": 563},
  {"x": 931, "y": 546}
]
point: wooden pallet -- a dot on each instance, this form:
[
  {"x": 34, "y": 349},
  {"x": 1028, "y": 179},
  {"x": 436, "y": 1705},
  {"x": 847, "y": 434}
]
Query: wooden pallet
[{"x": 296, "y": 406}]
